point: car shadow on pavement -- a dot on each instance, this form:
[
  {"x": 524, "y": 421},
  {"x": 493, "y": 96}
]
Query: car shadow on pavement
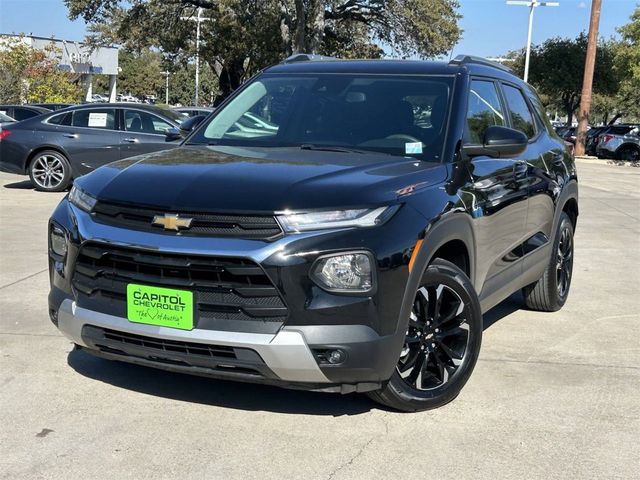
[
  {"x": 220, "y": 393},
  {"x": 23, "y": 185},
  {"x": 237, "y": 395},
  {"x": 512, "y": 304}
]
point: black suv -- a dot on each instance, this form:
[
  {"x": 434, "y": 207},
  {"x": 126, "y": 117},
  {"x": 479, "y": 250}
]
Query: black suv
[{"x": 334, "y": 225}]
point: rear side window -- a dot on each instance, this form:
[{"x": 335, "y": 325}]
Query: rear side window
[
  {"x": 100, "y": 118},
  {"x": 521, "y": 116},
  {"x": 62, "y": 119},
  {"x": 483, "y": 111}
]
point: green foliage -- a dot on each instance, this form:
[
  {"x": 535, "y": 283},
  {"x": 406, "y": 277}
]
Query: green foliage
[
  {"x": 31, "y": 75},
  {"x": 628, "y": 66},
  {"x": 242, "y": 36},
  {"x": 556, "y": 69}
]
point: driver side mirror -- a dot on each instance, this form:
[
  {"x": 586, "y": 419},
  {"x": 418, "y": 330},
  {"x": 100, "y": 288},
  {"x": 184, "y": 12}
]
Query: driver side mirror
[
  {"x": 185, "y": 128},
  {"x": 499, "y": 142}
]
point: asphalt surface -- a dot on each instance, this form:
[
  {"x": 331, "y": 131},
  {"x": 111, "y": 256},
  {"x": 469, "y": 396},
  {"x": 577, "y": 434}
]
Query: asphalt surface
[{"x": 552, "y": 396}]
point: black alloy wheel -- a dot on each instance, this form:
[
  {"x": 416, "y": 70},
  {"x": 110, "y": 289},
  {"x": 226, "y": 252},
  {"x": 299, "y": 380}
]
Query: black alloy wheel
[
  {"x": 437, "y": 338},
  {"x": 441, "y": 344},
  {"x": 564, "y": 261}
]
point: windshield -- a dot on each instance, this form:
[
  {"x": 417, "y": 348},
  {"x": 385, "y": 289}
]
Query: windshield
[{"x": 390, "y": 114}]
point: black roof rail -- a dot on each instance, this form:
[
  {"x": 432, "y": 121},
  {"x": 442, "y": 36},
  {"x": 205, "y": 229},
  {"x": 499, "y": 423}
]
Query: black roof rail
[
  {"x": 306, "y": 57},
  {"x": 463, "y": 59}
]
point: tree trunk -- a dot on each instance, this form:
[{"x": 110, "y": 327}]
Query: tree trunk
[
  {"x": 230, "y": 78},
  {"x": 317, "y": 26},
  {"x": 300, "y": 40}
]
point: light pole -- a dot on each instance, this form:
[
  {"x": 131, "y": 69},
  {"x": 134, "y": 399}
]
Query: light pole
[
  {"x": 532, "y": 5},
  {"x": 198, "y": 19},
  {"x": 166, "y": 86}
]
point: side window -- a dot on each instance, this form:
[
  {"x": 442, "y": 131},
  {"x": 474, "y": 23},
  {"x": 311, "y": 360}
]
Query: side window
[
  {"x": 483, "y": 111},
  {"x": 104, "y": 118},
  {"x": 521, "y": 117},
  {"x": 61, "y": 119},
  {"x": 143, "y": 122}
]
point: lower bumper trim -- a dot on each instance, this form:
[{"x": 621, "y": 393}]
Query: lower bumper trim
[{"x": 286, "y": 353}]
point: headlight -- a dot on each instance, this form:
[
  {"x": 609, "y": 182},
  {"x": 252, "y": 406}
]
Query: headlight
[
  {"x": 347, "y": 272},
  {"x": 82, "y": 199},
  {"x": 362, "y": 217},
  {"x": 58, "y": 241}
]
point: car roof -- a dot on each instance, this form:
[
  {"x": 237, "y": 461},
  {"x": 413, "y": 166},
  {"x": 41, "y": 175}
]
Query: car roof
[
  {"x": 138, "y": 106},
  {"x": 462, "y": 64},
  {"x": 31, "y": 107}
]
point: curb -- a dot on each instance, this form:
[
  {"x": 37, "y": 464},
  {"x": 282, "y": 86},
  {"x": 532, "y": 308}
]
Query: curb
[{"x": 598, "y": 161}]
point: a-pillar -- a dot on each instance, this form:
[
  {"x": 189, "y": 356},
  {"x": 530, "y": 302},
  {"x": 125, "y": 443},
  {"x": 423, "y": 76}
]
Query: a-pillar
[{"x": 112, "y": 88}]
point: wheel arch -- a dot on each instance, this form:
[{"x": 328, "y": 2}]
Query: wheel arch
[
  {"x": 452, "y": 236},
  {"x": 42, "y": 148},
  {"x": 627, "y": 145}
]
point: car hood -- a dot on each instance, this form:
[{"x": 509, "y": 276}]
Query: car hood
[{"x": 234, "y": 179}]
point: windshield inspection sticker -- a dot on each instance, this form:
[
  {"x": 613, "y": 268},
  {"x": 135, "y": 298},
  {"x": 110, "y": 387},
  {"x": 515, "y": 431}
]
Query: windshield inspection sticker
[
  {"x": 97, "y": 120},
  {"x": 165, "y": 307},
  {"x": 413, "y": 147}
]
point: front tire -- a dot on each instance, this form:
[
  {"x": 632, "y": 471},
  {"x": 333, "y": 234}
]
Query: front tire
[
  {"x": 442, "y": 342},
  {"x": 50, "y": 171},
  {"x": 628, "y": 153},
  {"x": 550, "y": 293}
]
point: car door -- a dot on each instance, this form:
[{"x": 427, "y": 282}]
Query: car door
[
  {"x": 496, "y": 193},
  {"x": 90, "y": 138},
  {"x": 540, "y": 161},
  {"x": 144, "y": 132}
]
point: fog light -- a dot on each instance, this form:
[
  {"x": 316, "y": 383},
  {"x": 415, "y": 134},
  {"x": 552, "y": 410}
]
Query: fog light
[
  {"x": 344, "y": 273},
  {"x": 336, "y": 356},
  {"x": 58, "y": 241}
]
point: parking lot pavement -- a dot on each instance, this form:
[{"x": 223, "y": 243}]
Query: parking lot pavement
[{"x": 553, "y": 395}]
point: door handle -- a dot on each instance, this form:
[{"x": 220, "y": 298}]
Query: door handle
[
  {"x": 131, "y": 140},
  {"x": 520, "y": 169},
  {"x": 70, "y": 135}
]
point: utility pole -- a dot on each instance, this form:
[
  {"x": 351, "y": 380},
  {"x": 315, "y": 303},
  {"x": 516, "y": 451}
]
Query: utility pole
[
  {"x": 532, "y": 5},
  {"x": 587, "y": 79},
  {"x": 166, "y": 86},
  {"x": 198, "y": 19}
]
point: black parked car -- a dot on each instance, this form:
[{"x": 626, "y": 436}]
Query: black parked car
[
  {"x": 52, "y": 106},
  {"x": 23, "y": 112},
  {"x": 349, "y": 239},
  {"x": 55, "y": 148},
  {"x": 193, "y": 111}
]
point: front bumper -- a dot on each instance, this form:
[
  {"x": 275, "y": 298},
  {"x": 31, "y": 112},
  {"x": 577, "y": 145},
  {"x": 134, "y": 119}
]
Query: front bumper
[
  {"x": 367, "y": 328},
  {"x": 284, "y": 358}
]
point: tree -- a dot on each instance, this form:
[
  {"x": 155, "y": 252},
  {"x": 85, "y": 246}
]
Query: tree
[
  {"x": 31, "y": 75},
  {"x": 242, "y": 36},
  {"x": 628, "y": 67},
  {"x": 556, "y": 69}
]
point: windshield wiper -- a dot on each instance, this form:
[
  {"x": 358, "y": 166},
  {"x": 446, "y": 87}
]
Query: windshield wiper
[{"x": 331, "y": 148}]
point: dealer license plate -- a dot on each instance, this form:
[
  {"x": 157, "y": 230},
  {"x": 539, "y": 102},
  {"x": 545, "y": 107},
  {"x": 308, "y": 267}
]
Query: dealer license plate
[{"x": 165, "y": 307}]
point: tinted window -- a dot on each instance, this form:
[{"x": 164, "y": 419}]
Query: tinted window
[
  {"x": 23, "y": 113},
  {"x": 62, "y": 119},
  {"x": 98, "y": 118},
  {"x": 389, "y": 114},
  {"x": 521, "y": 117},
  {"x": 483, "y": 111},
  {"x": 143, "y": 122}
]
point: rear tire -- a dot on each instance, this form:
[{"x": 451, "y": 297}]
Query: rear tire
[
  {"x": 442, "y": 343},
  {"x": 50, "y": 171},
  {"x": 550, "y": 292},
  {"x": 628, "y": 153}
]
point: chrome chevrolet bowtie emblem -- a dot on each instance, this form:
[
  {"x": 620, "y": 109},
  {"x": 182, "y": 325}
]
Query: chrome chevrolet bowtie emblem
[{"x": 172, "y": 221}]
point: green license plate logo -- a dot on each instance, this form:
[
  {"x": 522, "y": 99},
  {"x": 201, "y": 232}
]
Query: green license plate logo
[{"x": 164, "y": 307}]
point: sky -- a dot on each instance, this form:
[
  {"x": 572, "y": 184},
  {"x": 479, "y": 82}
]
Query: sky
[{"x": 491, "y": 28}]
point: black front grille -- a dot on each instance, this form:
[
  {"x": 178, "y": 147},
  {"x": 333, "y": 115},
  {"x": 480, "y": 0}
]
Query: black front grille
[
  {"x": 228, "y": 290},
  {"x": 254, "y": 227}
]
